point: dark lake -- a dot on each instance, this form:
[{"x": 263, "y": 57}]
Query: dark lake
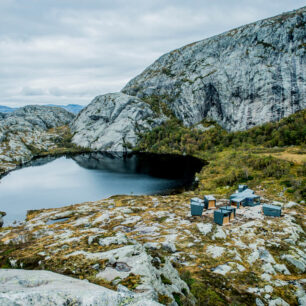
[{"x": 54, "y": 182}]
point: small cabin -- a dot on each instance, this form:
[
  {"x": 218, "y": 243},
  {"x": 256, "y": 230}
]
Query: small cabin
[
  {"x": 236, "y": 201},
  {"x": 196, "y": 207},
  {"x": 222, "y": 217},
  {"x": 242, "y": 188},
  {"x": 210, "y": 202},
  {"x": 272, "y": 210},
  {"x": 232, "y": 210},
  {"x": 244, "y": 198},
  {"x": 252, "y": 200}
]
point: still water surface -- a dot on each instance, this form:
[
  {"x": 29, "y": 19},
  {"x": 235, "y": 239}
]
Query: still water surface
[{"x": 55, "y": 182}]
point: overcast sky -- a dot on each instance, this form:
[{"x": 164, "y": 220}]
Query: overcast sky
[{"x": 69, "y": 51}]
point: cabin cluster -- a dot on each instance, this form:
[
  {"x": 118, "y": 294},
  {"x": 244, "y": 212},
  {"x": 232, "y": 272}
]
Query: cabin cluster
[{"x": 225, "y": 214}]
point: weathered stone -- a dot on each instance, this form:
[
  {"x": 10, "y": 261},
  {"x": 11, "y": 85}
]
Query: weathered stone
[
  {"x": 21, "y": 287},
  {"x": 204, "y": 228},
  {"x": 111, "y": 122},
  {"x": 241, "y": 78}
]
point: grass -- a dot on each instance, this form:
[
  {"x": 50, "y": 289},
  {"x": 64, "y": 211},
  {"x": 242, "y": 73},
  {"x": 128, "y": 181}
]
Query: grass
[{"x": 263, "y": 156}]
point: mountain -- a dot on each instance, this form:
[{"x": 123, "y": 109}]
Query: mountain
[
  {"x": 26, "y": 131},
  {"x": 241, "y": 78},
  {"x": 6, "y": 109},
  {"x": 111, "y": 122},
  {"x": 72, "y": 108}
]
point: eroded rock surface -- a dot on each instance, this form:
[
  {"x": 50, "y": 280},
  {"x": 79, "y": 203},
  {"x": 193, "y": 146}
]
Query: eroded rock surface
[
  {"x": 22, "y": 287},
  {"x": 111, "y": 122},
  {"x": 241, "y": 78},
  {"x": 127, "y": 241},
  {"x": 29, "y": 130}
]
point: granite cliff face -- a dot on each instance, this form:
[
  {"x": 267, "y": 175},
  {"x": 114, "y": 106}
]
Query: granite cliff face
[
  {"x": 28, "y": 130},
  {"x": 245, "y": 77},
  {"x": 111, "y": 122}
]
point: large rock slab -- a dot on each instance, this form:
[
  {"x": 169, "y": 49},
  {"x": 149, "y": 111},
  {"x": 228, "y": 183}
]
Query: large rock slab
[
  {"x": 244, "y": 77},
  {"x": 22, "y": 287},
  {"x": 111, "y": 122}
]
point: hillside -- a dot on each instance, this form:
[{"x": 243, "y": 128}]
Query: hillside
[{"x": 241, "y": 78}]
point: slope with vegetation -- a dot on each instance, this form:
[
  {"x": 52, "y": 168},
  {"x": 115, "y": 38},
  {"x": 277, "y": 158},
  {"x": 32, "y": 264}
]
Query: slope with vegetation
[{"x": 271, "y": 155}]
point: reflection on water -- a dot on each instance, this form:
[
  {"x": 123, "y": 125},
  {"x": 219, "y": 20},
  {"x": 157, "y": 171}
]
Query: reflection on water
[{"x": 55, "y": 182}]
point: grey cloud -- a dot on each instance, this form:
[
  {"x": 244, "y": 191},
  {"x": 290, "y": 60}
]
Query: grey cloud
[{"x": 56, "y": 51}]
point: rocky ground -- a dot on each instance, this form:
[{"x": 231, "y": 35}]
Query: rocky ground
[{"x": 148, "y": 243}]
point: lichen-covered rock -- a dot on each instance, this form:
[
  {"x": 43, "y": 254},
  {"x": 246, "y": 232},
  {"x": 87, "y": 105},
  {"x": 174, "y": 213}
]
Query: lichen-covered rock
[
  {"x": 25, "y": 132},
  {"x": 241, "y": 78},
  {"x": 21, "y": 287},
  {"x": 111, "y": 122}
]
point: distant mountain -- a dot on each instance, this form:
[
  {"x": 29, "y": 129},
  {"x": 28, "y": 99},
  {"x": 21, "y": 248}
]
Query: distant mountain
[
  {"x": 6, "y": 109},
  {"x": 72, "y": 108}
]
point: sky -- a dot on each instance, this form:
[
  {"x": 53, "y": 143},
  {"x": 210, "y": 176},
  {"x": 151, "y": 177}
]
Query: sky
[{"x": 69, "y": 51}]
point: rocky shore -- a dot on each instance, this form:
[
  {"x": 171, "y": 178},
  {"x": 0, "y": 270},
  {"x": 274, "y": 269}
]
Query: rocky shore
[{"x": 147, "y": 244}]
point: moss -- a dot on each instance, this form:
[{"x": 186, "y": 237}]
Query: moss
[
  {"x": 211, "y": 289},
  {"x": 132, "y": 281},
  {"x": 164, "y": 299},
  {"x": 165, "y": 280}
]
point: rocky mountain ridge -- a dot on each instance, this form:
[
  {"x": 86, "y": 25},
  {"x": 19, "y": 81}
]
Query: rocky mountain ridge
[
  {"x": 242, "y": 78},
  {"x": 111, "y": 122},
  {"x": 72, "y": 108},
  {"x": 28, "y": 130}
]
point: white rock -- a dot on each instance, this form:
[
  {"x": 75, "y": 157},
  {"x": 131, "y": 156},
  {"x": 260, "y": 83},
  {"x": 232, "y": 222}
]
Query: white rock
[
  {"x": 268, "y": 289},
  {"x": 278, "y": 302},
  {"x": 222, "y": 269},
  {"x": 112, "y": 122},
  {"x": 220, "y": 234},
  {"x": 282, "y": 269},
  {"x": 204, "y": 228},
  {"x": 215, "y": 251},
  {"x": 21, "y": 287}
]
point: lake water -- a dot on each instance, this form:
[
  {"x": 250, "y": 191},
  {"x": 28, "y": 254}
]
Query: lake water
[{"x": 54, "y": 182}]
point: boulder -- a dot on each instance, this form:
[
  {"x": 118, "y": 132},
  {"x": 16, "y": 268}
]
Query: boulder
[
  {"x": 24, "y": 287},
  {"x": 112, "y": 122}
]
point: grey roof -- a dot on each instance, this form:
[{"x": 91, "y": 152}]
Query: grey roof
[
  {"x": 246, "y": 194},
  {"x": 210, "y": 198},
  {"x": 271, "y": 207},
  {"x": 196, "y": 200}
]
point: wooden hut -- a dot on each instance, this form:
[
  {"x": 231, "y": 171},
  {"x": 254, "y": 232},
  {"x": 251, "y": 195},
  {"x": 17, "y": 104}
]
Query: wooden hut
[
  {"x": 272, "y": 210},
  {"x": 209, "y": 202},
  {"x": 232, "y": 210},
  {"x": 222, "y": 217},
  {"x": 196, "y": 207},
  {"x": 236, "y": 202}
]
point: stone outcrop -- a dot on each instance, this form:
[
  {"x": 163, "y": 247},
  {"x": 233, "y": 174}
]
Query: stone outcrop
[
  {"x": 137, "y": 241},
  {"x": 27, "y": 130},
  {"x": 245, "y": 77},
  {"x": 111, "y": 122},
  {"x": 21, "y": 287},
  {"x": 242, "y": 78}
]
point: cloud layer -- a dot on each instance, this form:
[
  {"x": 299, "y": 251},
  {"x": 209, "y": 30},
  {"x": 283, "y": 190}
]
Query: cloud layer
[{"x": 68, "y": 51}]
